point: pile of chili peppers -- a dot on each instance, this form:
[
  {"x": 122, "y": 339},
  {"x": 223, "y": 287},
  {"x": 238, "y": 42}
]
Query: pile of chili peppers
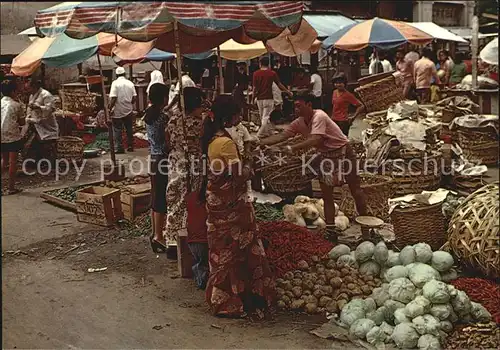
[
  {"x": 484, "y": 292},
  {"x": 286, "y": 244}
]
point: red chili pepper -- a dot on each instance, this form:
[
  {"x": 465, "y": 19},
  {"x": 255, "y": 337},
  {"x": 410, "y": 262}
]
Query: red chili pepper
[
  {"x": 482, "y": 291},
  {"x": 287, "y": 244}
]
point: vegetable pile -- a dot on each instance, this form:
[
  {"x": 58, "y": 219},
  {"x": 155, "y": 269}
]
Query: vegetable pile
[
  {"x": 102, "y": 142},
  {"x": 309, "y": 211},
  {"x": 481, "y": 291},
  {"x": 267, "y": 212},
  {"x": 286, "y": 244},
  {"x": 67, "y": 193},
  {"x": 122, "y": 185},
  {"x": 477, "y": 336},
  {"x": 326, "y": 285},
  {"x": 414, "y": 307}
]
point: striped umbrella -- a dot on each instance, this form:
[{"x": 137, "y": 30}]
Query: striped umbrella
[
  {"x": 63, "y": 51},
  {"x": 216, "y": 22},
  {"x": 376, "y": 32}
]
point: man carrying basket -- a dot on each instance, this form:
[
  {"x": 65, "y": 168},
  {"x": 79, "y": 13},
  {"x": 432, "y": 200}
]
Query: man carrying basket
[{"x": 335, "y": 162}]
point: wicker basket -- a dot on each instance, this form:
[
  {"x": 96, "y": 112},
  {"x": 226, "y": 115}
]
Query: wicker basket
[
  {"x": 377, "y": 190},
  {"x": 424, "y": 175},
  {"x": 70, "y": 148},
  {"x": 424, "y": 223},
  {"x": 380, "y": 94},
  {"x": 479, "y": 145},
  {"x": 286, "y": 175},
  {"x": 473, "y": 233}
]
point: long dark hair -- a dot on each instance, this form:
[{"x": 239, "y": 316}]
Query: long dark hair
[
  {"x": 223, "y": 110},
  {"x": 157, "y": 94},
  {"x": 193, "y": 98}
]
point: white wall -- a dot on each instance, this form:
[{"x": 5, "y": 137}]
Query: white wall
[{"x": 422, "y": 11}]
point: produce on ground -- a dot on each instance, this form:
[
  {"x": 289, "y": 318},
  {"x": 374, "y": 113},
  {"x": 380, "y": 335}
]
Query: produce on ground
[
  {"x": 413, "y": 298},
  {"x": 122, "y": 185},
  {"x": 67, "y": 193},
  {"x": 324, "y": 285},
  {"x": 267, "y": 212},
  {"x": 101, "y": 142},
  {"x": 140, "y": 226},
  {"x": 286, "y": 244},
  {"x": 309, "y": 211},
  {"x": 482, "y": 291},
  {"x": 475, "y": 336}
]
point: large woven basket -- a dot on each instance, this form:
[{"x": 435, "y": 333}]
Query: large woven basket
[
  {"x": 473, "y": 233},
  {"x": 424, "y": 223},
  {"x": 380, "y": 94},
  {"x": 479, "y": 145},
  {"x": 70, "y": 148},
  {"x": 377, "y": 190},
  {"x": 286, "y": 175},
  {"x": 414, "y": 173}
]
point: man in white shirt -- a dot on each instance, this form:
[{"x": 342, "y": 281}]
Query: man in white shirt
[
  {"x": 186, "y": 82},
  {"x": 386, "y": 65},
  {"x": 316, "y": 88},
  {"x": 123, "y": 97},
  {"x": 43, "y": 130}
]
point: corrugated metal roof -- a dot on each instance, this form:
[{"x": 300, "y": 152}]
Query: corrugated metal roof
[{"x": 13, "y": 44}]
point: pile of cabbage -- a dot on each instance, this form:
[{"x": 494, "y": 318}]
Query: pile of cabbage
[
  {"x": 309, "y": 211},
  {"x": 414, "y": 307}
]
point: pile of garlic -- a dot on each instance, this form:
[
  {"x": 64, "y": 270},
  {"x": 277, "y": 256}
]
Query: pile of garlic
[{"x": 309, "y": 211}]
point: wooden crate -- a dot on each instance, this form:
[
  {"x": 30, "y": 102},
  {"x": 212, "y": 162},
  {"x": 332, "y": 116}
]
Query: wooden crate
[
  {"x": 135, "y": 200},
  {"x": 98, "y": 205}
]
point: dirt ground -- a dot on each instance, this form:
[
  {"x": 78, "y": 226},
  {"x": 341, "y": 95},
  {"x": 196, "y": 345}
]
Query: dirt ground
[{"x": 50, "y": 300}]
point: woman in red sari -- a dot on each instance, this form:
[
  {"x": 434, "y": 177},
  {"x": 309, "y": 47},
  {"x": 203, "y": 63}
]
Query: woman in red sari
[{"x": 240, "y": 281}]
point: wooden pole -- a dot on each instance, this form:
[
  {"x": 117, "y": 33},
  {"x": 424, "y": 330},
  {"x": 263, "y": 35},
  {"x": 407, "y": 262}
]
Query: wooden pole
[
  {"x": 474, "y": 48},
  {"x": 221, "y": 78},
  {"x": 169, "y": 73},
  {"x": 106, "y": 113},
  {"x": 184, "y": 257}
]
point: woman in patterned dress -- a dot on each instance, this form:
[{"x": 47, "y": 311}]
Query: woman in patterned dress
[
  {"x": 240, "y": 280},
  {"x": 185, "y": 165}
]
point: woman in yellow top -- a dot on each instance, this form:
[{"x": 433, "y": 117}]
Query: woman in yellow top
[{"x": 240, "y": 280}]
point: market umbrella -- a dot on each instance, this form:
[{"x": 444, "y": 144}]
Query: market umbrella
[
  {"x": 144, "y": 21},
  {"x": 63, "y": 51},
  {"x": 489, "y": 53},
  {"x": 377, "y": 32}
]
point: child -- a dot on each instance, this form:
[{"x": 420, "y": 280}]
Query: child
[
  {"x": 240, "y": 135},
  {"x": 100, "y": 120},
  {"x": 268, "y": 129},
  {"x": 12, "y": 139},
  {"x": 197, "y": 237}
]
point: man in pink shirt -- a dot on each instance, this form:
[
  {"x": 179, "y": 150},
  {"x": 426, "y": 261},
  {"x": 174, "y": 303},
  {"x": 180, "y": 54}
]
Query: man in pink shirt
[
  {"x": 405, "y": 67},
  {"x": 335, "y": 161},
  {"x": 423, "y": 72}
]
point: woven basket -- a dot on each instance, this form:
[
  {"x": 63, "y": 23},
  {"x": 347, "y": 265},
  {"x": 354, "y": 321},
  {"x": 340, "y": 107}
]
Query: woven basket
[
  {"x": 287, "y": 175},
  {"x": 479, "y": 145},
  {"x": 377, "y": 190},
  {"x": 70, "y": 148},
  {"x": 380, "y": 94},
  {"x": 473, "y": 233},
  {"x": 424, "y": 175},
  {"x": 425, "y": 223}
]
